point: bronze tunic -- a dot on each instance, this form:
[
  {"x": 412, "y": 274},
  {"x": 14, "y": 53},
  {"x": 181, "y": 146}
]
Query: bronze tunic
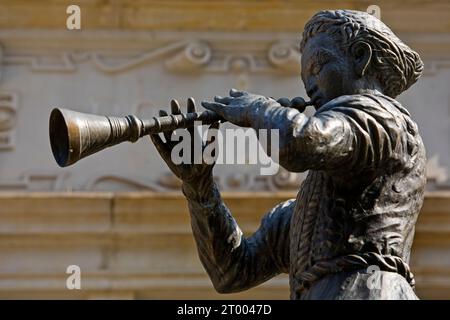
[{"x": 357, "y": 207}]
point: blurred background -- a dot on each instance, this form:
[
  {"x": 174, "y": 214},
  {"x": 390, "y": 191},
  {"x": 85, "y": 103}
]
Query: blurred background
[{"x": 119, "y": 215}]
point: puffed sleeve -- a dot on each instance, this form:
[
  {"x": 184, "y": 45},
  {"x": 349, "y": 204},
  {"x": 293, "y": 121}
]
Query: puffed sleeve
[{"x": 348, "y": 134}]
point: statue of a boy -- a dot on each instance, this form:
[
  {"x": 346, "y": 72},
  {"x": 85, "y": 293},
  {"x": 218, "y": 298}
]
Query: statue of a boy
[{"x": 356, "y": 210}]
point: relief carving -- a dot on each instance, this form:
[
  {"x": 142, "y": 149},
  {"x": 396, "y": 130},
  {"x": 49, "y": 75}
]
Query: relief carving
[{"x": 8, "y": 109}]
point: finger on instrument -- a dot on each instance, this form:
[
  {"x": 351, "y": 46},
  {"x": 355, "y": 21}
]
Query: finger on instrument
[
  {"x": 191, "y": 105},
  {"x": 175, "y": 107},
  {"x": 224, "y": 100},
  {"x": 167, "y": 134},
  {"x": 236, "y": 93}
]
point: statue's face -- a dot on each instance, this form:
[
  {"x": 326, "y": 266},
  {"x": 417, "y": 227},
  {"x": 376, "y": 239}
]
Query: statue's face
[{"x": 326, "y": 71}]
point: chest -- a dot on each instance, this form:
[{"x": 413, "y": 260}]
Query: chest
[{"x": 319, "y": 229}]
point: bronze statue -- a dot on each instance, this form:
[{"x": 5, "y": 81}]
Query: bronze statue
[{"x": 356, "y": 210}]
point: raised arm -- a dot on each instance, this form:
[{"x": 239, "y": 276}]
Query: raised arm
[
  {"x": 348, "y": 133},
  {"x": 233, "y": 262}
]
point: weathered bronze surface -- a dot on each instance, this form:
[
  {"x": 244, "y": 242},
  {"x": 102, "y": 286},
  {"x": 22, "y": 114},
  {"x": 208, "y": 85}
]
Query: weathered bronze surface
[{"x": 356, "y": 210}]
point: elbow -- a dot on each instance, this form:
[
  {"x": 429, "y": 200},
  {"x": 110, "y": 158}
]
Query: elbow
[
  {"x": 294, "y": 155},
  {"x": 222, "y": 286},
  {"x": 225, "y": 285},
  {"x": 221, "y": 289},
  {"x": 302, "y": 153},
  {"x": 293, "y": 163}
]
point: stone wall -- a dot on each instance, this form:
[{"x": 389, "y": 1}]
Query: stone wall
[
  {"x": 140, "y": 246},
  {"x": 119, "y": 214}
]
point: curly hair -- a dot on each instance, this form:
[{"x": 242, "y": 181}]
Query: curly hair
[{"x": 393, "y": 63}]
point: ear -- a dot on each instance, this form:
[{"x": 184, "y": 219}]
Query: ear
[{"x": 362, "y": 54}]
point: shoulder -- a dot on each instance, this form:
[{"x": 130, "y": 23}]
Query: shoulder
[
  {"x": 365, "y": 110},
  {"x": 353, "y": 100},
  {"x": 367, "y": 103}
]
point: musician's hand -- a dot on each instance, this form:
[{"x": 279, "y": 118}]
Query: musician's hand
[
  {"x": 238, "y": 108},
  {"x": 189, "y": 173}
]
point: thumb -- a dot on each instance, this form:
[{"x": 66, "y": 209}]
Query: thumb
[{"x": 160, "y": 145}]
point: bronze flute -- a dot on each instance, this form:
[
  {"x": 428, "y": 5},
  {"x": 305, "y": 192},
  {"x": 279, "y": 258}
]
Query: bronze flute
[{"x": 75, "y": 135}]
